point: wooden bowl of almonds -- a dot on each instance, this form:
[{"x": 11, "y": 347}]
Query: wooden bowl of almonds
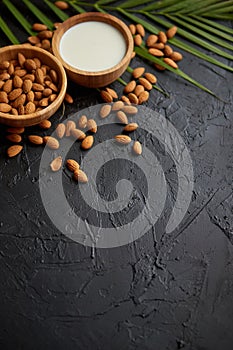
[
  {"x": 94, "y": 48},
  {"x": 32, "y": 85}
]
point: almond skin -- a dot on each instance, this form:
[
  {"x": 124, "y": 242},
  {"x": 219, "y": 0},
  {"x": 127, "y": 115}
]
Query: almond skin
[
  {"x": 159, "y": 46},
  {"x": 27, "y": 85},
  {"x": 80, "y": 176},
  {"x": 171, "y": 32},
  {"x": 131, "y": 127},
  {"x": 62, "y": 5},
  {"x": 140, "y": 29},
  {"x": 69, "y": 98},
  {"x": 170, "y": 62},
  {"x": 139, "y": 88},
  {"x": 78, "y": 134},
  {"x": 29, "y": 64},
  {"x": 150, "y": 77},
  {"x": 4, "y": 65},
  {"x": 87, "y": 142},
  {"x": 38, "y": 27},
  {"x": 137, "y": 40},
  {"x": 125, "y": 100},
  {"x": 45, "y": 124},
  {"x": 176, "y": 56},
  {"x": 106, "y": 96},
  {"x": 137, "y": 148},
  {"x": 132, "y": 28},
  {"x": 138, "y": 72},
  {"x": 143, "y": 97},
  {"x": 56, "y": 164},
  {"x": 14, "y": 94},
  {"x": 15, "y": 130},
  {"x": 105, "y": 111},
  {"x": 72, "y": 165},
  {"x": 19, "y": 101},
  {"x": 30, "y": 108},
  {"x": 152, "y": 39},
  {"x": 92, "y": 126},
  {"x": 156, "y": 52},
  {"x": 162, "y": 37},
  {"x": 121, "y": 116},
  {"x": 167, "y": 50},
  {"x": 5, "y": 108},
  {"x": 7, "y": 87},
  {"x": 123, "y": 139},
  {"x": 51, "y": 142},
  {"x": 147, "y": 85},
  {"x": 60, "y": 130},
  {"x": 3, "y": 97},
  {"x": 17, "y": 82},
  {"x": 82, "y": 123},
  {"x": 39, "y": 76},
  {"x": 14, "y": 150},
  {"x": 130, "y": 87},
  {"x": 15, "y": 138},
  {"x": 133, "y": 98},
  {"x": 35, "y": 139}
]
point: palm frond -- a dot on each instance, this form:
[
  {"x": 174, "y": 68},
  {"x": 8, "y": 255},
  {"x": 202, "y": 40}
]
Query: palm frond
[
  {"x": 39, "y": 14},
  {"x": 7, "y": 31},
  {"x": 60, "y": 14},
  {"x": 19, "y": 17}
]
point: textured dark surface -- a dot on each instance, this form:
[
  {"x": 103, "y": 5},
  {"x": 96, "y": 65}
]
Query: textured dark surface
[{"x": 164, "y": 291}]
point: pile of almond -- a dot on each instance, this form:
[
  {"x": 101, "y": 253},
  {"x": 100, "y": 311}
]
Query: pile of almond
[{"x": 26, "y": 85}]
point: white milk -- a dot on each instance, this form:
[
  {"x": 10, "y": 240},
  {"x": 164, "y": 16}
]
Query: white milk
[{"x": 92, "y": 46}]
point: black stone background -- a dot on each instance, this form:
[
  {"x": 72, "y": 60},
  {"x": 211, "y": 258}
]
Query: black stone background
[{"x": 161, "y": 292}]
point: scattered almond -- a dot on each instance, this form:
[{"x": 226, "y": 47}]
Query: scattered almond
[
  {"x": 51, "y": 142},
  {"x": 38, "y": 27},
  {"x": 15, "y": 130},
  {"x": 137, "y": 40},
  {"x": 162, "y": 37},
  {"x": 133, "y": 98},
  {"x": 35, "y": 139},
  {"x": 62, "y": 5},
  {"x": 69, "y": 126},
  {"x": 150, "y": 77},
  {"x": 106, "y": 96},
  {"x": 123, "y": 139},
  {"x": 14, "y": 150},
  {"x": 131, "y": 127},
  {"x": 176, "y": 56},
  {"x": 171, "y": 32},
  {"x": 112, "y": 92},
  {"x": 60, "y": 130},
  {"x": 140, "y": 29},
  {"x": 170, "y": 62},
  {"x": 68, "y": 98},
  {"x": 147, "y": 85},
  {"x": 91, "y": 125},
  {"x": 132, "y": 28},
  {"x": 15, "y": 138},
  {"x": 45, "y": 124},
  {"x": 167, "y": 50},
  {"x": 72, "y": 165},
  {"x": 105, "y": 110},
  {"x": 80, "y": 176},
  {"x": 56, "y": 164},
  {"x": 139, "y": 88},
  {"x": 137, "y": 148},
  {"x": 130, "y": 87},
  {"x": 130, "y": 109},
  {"x": 117, "y": 105},
  {"x": 82, "y": 123},
  {"x": 78, "y": 134},
  {"x": 138, "y": 72},
  {"x": 87, "y": 142},
  {"x": 156, "y": 52},
  {"x": 122, "y": 117},
  {"x": 143, "y": 97},
  {"x": 152, "y": 39}
]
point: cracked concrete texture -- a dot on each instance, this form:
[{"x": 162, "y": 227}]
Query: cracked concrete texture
[{"x": 164, "y": 291}]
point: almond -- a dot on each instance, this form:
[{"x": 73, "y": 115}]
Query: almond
[
  {"x": 80, "y": 176},
  {"x": 72, "y": 165},
  {"x": 68, "y": 98},
  {"x": 140, "y": 29},
  {"x": 60, "y": 130},
  {"x": 21, "y": 110},
  {"x": 91, "y": 125},
  {"x": 14, "y": 150},
  {"x": 5, "y": 108},
  {"x": 139, "y": 88},
  {"x": 131, "y": 127},
  {"x": 39, "y": 76},
  {"x": 171, "y": 32},
  {"x": 7, "y": 87},
  {"x": 167, "y": 50},
  {"x": 30, "y": 96},
  {"x": 130, "y": 109},
  {"x": 45, "y": 34},
  {"x": 105, "y": 111},
  {"x": 19, "y": 101},
  {"x": 159, "y": 46},
  {"x": 52, "y": 86},
  {"x": 4, "y": 65},
  {"x": 30, "y": 108},
  {"x": 138, "y": 72},
  {"x": 117, "y": 105},
  {"x": 29, "y": 76},
  {"x": 14, "y": 94},
  {"x": 159, "y": 67},
  {"x": 11, "y": 69},
  {"x": 45, "y": 124},
  {"x": 176, "y": 56},
  {"x": 35, "y": 139},
  {"x": 133, "y": 98},
  {"x": 56, "y": 164},
  {"x": 17, "y": 82},
  {"x": 52, "y": 98},
  {"x": 37, "y": 87},
  {"x": 45, "y": 44},
  {"x": 20, "y": 72},
  {"x": 44, "y": 102},
  {"x": 130, "y": 87},
  {"x": 122, "y": 117},
  {"x": 106, "y": 96},
  {"x": 170, "y": 62},
  {"x": 15, "y": 130},
  {"x": 133, "y": 55},
  {"x": 147, "y": 85},
  {"x": 78, "y": 134},
  {"x": 82, "y": 123},
  {"x": 125, "y": 100},
  {"x": 123, "y": 139},
  {"x": 137, "y": 40},
  {"x": 47, "y": 92},
  {"x": 38, "y": 95},
  {"x": 14, "y": 111},
  {"x": 69, "y": 126},
  {"x": 152, "y": 39},
  {"x": 51, "y": 142},
  {"x": 112, "y": 92},
  {"x": 162, "y": 37},
  {"x": 38, "y": 27},
  {"x": 21, "y": 59},
  {"x": 87, "y": 142},
  {"x": 62, "y": 5},
  {"x": 156, "y": 52},
  {"x": 15, "y": 138},
  {"x": 3, "y": 97},
  {"x": 33, "y": 40},
  {"x": 53, "y": 75},
  {"x": 29, "y": 64},
  {"x": 132, "y": 28},
  {"x": 137, "y": 148},
  {"x": 4, "y": 76},
  {"x": 27, "y": 85},
  {"x": 150, "y": 77},
  {"x": 143, "y": 97}
]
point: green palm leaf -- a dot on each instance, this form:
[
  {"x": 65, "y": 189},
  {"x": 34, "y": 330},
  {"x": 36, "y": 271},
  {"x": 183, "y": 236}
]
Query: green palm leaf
[
  {"x": 60, "y": 14},
  {"x": 213, "y": 24},
  {"x": 37, "y": 13},
  {"x": 19, "y": 17},
  {"x": 7, "y": 31}
]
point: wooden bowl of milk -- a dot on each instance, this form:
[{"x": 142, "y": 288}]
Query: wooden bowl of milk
[{"x": 94, "y": 48}]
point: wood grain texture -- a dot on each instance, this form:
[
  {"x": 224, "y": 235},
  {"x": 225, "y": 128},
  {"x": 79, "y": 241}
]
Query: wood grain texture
[{"x": 104, "y": 77}]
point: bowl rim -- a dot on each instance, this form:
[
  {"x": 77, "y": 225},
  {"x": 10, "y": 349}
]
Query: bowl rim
[
  {"x": 99, "y": 17},
  {"x": 54, "y": 105}
]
